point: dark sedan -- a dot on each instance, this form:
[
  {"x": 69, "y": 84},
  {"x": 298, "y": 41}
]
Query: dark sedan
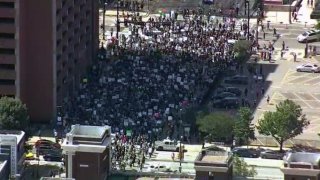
[
  {"x": 269, "y": 154},
  {"x": 238, "y": 79},
  {"x": 233, "y": 90}
]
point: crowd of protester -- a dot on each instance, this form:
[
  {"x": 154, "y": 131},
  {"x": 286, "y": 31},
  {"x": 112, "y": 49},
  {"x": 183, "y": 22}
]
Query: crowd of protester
[{"x": 151, "y": 74}]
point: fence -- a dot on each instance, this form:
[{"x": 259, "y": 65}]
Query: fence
[{"x": 269, "y": 141}]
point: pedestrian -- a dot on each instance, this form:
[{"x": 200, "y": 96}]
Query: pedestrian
[
  {"x": 294, "y": 57},
  {"x": 311, "y": 3},
  {"x": 172, "y": 156},
  {"x": 283, "y": 45},
  {"x": 308, "y": 2},
  {"x": 268, "y": 25},
  {"x": 268, "y": 99},
  {"x": 274, "y": 32},
  {"x": 262, "y": 91},
  {"x": 150, "y": 152}
]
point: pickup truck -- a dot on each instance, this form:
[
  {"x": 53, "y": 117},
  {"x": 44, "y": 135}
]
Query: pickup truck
[{"x": 168, "y": 145}]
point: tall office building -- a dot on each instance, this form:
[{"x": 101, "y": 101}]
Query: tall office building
[{"x": 45, "y": 47}]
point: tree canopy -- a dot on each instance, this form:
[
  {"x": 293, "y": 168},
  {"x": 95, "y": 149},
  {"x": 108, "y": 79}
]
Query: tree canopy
[
  {"x": 217, "y": 126},
  {"x": 241, "y": 49},
  {"x": 242, "y": 169},
  {"x": 13, "y": 114},
  {"x": 243, "y": 131},
  {"x": 285, "y": 123}
]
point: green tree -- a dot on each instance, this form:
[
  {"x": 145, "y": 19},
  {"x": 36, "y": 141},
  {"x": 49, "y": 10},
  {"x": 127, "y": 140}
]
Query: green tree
[
  {"x": 285, "y": 123},
  {"x": 317, "y": 26},
  {"x": 243, "y": 131},
  {"x": 216, "y": 126},
  {"x": 13, "y": 114},
  {"x": 241, "y": 49},
  {"x": 241, "y": 168}
]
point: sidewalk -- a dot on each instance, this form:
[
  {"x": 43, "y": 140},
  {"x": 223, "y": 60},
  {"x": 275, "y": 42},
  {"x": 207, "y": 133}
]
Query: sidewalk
[{"x": 303, "y": 16}]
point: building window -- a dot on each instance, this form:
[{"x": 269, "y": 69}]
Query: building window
[
  {"x": 5, "y": 20},
  {"x": 64, "y": 33},
  {"x": 6, "y": 82},
  {"x": 64, "y": 80},
  {"x": 58, "y": 57},
  {"x": 64, "y": 18},
  {"x": 6, "y": 4},
  {"x": 7, "y": 66},
  {"x": 6, "y": 35},
  {"x": 58, "y": 11},
  {"x": 58, "y": 72},
  {"x": 69, "y": 25},
  {"x": 58, "y": 26},
  {"x": 7, "y": 51}
]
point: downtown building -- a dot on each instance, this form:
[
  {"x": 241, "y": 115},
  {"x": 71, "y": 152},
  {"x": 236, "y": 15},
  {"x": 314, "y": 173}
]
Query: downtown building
[{"x": 45, "y": 48}]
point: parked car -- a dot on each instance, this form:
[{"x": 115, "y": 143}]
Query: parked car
[
  {"x": 308, "y": 36},
  {"x": 207, "y": 1},
  {"x": 233, "y": 90},
  {"x": 237, "y": 79},
  {"x": 43, "y": 142},
  {"x": 247, "y": 153},
  {"x": 158, "y": 168},
  {"x": 53, "y": 157},
  {"x": 224, "y": 95},
  {"x": 167, "y": 145},
  {"x": 45, "y": 149},
  {"x": 228, "y": 102},
  {"x": 308, "y": 68},
  {"x": 269, "y": 154}
]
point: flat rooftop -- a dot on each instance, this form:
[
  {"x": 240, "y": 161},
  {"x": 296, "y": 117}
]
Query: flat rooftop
[
  {"x": 88, "y": 131},
  {"x": 214, "y": 159},
  {"x": 303, "y": 158},
  {"x": 18, "y": 134}
]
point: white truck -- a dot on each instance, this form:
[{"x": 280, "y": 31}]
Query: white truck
[{"x": 168, "y": 145}]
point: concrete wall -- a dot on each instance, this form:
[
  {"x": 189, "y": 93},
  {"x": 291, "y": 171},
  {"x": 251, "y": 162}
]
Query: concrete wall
[
  {"x": 97, "y": 165},
  {"x": 202, "y": 175}
]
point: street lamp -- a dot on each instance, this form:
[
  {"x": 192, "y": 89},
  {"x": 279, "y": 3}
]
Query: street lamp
[
  {"x": 290, "y": 12},
  {"x": 118, "y": 22},
  {"x": 180, "y": 154},
  {"x": 104, "y": 20},
  {"x": 248, "y": 29}
]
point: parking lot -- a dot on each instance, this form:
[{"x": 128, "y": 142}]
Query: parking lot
[
  {"x": 299, "y": 78},
  {"x": 301, "y": 87}
]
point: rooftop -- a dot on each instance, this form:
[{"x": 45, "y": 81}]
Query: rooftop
[
  {"x": 214, "y": 158},
  {"x": 88, "y": 131},
  {"x": 9, "y": 133}
]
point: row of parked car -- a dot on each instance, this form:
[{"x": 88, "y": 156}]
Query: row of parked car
[
  {"x": 229, "y": 96},
  {"x": 256, "y": 153},
  {"x": 51, "y": 151}
]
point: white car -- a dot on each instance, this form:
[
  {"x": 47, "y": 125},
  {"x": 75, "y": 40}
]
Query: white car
[
  {"x": 308, "y": 68},
  {"x": 157, "y": 168},
  {"x": 307, "y": 36}
]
